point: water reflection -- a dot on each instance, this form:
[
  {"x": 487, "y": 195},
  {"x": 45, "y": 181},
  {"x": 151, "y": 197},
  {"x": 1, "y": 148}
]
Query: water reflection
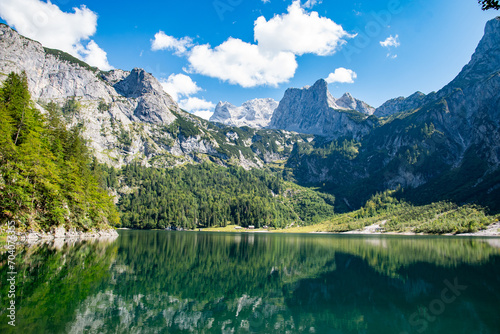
[
  {"x": 52, "y": 279},
  {"x": 156, "y": 282}
]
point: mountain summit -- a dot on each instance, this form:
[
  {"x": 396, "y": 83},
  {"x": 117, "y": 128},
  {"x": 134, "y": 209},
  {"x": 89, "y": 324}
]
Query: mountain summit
[
  {"x": 445, "y": 145},
  {"x": 346, "y": 101},
  {"x": 314, "y": 110},
  {"x": 255, "y": 113}
]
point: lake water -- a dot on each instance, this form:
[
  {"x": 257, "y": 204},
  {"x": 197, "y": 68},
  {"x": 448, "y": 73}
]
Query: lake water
[{"x": 196, "y": 282}]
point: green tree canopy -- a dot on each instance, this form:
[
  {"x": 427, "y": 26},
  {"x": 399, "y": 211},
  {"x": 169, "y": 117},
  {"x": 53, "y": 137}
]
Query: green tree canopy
[
  {"x": 46, "y": 174},
  {"x": 489, "y": 4}
]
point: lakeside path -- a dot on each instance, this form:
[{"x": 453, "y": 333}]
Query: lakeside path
[{"x": 493, "y": 230}]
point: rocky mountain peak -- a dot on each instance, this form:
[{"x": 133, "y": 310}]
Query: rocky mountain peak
[
  {"x": 320, "y": 85},
  {"x": 485, "y": 59},
  {"x": 137, "y": 83},
  {"x": 255, "y": 113},
  {"x": 399, "y": 104},
  {"x": 314, "y": 110},
  {"x": 114, "y": 76},
  {"x": 349, "y": 102},
  {"x": 107, "y": 102}
]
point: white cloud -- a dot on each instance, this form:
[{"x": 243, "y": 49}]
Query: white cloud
[
  {"x": 342, "y": 75},
  {"x": 46, "y": 23},
  {"x": 299, "y": 32},
  {"x": 178, "y": 85},
  {"x": 266, "y": 1},
  {"x": 181, "y": 87},
  {"x": 242, "y": 63},
  {"x": 96, "y": 56},
  {"x": 199, "y": 107},
  {"x": 163, "y": 41},
  {"x": 391, "y": 41},
  {"x": 311, "y": 3},
  {"x": 205, "y": 114},
  {"x": 272, "y": 60},
  {"x": 195, "y": 103}
]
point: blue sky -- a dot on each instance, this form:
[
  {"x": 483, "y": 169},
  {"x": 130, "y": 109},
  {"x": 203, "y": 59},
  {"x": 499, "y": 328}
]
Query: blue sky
[{"x": 237, "y": 50}]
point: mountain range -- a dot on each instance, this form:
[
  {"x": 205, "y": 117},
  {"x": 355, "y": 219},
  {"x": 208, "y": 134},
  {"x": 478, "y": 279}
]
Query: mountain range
[
  {"x": 441, "y": 146},
  {"x": 260, "y": 113},
  {"x": 444, "y": 145},
  {"x": 255, "y": 113}
]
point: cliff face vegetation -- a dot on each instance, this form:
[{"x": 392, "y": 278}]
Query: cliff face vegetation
[{"x": 46, "y": 172}]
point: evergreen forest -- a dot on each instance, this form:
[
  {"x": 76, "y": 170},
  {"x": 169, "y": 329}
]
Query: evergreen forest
[{"x": 47, "y": 174}]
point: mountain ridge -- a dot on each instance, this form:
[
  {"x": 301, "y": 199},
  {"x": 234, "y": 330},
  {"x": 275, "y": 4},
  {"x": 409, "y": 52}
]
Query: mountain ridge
[
  {"x": 315, "y": 111},
  {"x": 126, "y": 116},
  {"x": 447, "y": 147},
  {"x": 255, "y": 113},
  {"x": 443, "y": 145}
]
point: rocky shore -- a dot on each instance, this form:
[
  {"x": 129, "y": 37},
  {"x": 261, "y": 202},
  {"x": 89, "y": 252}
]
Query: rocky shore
[
  {"x": 491, "y": 231},
  {"x": 62, "y": 233}
]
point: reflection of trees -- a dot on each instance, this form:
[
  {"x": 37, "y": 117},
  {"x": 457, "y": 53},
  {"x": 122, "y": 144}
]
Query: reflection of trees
[
  {"x": 267, "y": 283},
  {"x": 357, "y": 298},
  {"x": 273, "y": 283},
  {"x": 192, "y": 265},
  {"x": 52, "y": 282}
]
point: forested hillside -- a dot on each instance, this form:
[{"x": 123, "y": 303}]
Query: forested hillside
[
  {"x": 207, "y": 195},
  {"x": 46, "y": 171},
  {"x": 49, "y": 178}
]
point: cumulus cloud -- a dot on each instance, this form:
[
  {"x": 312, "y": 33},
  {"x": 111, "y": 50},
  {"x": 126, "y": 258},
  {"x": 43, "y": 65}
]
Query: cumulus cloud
[
  {"x": 299, "y": 32},
  {"x": 272, "y": 60},
  {"x": 242, "y": 63},
  {"x": 178, "y": 85},
  {"x": 96, "y": 56},
  {"x": 342, "y": 75},
  {"x": 391, "y": 41},
  {"x": 205, "y": 114},
  {"x": 200, "y": 107},
  {"x": 163, "y": 41},
  {"x": 46, "y": 23},
  {"x": 195, "y": 103},
  {"x": 181, "y": 87}
]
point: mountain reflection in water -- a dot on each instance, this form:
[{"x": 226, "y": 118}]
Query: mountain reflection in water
[{"x": 196, "y": 282}]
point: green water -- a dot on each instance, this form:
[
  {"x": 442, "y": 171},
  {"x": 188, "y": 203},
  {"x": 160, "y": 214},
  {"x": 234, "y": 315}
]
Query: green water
[{"x": 195, "y": 282}]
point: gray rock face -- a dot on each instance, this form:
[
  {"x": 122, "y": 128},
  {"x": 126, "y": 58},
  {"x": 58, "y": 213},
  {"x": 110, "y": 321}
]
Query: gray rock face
[
  {"x": 470, "y": 103},
  {"x": 348, "y": 102},
  {"x": 126, "y": 115},
  {"x": 129, "y": 98},
  {"x": 450, "y": 130},
  {"x": 399, "y": 104},
  {"x": 255, "y": 113},
  {"x": 153, "y": 104},
  {"x": 314, "y": 110},
  {"x": 484, "y": 61}
]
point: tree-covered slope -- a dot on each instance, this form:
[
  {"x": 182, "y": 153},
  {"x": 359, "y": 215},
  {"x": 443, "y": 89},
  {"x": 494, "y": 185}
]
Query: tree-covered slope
[
  {"x": 206, "y": 195},
  {"x": 46, "y": 176}
]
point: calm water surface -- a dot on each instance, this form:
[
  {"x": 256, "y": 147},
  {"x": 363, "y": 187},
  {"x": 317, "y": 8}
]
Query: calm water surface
[{"x": 195, "y": 282}]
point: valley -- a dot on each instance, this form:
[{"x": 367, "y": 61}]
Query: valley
[{"x": 308, "y": 159}]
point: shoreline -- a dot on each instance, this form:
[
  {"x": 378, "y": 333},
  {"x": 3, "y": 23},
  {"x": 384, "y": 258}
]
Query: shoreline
[
  {"x": 60, "y": 234},
  {"x": 492, "y": 230}
]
